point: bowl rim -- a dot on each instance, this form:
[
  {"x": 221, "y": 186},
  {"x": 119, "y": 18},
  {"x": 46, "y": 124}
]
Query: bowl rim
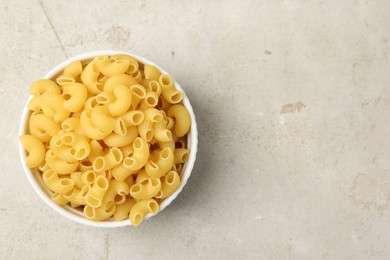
[{"x": 192, "y": 140}]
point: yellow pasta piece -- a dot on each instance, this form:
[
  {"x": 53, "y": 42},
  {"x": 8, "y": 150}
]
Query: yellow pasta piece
[
  {"x": 117, "y": 140},
  {"x": 95, "y": 196},
  {"x": 90, "y": 76},
  {"x": 57, "y": 184},
  {"x": 109, "y": 66},
  {"x": 85, "y": 165},
  {"x": 150, "y": 101},
  {"x": 79, "y": 144},
  {"x": 162, "y": 165},
  {"x": 90, "y": 103},
  {"x": 105, "y": 97},
  {"x": 62, "y": 151},
  {"x": 102, "y": 120},
  {"x": 43, "y": 166},
  {"x": 43, "y": 127},
  {"x": 132, "y": 118},
  {"x": 140, "y": 155},
  {"x": 153, "y": 86},
  {"x": 110, "y": 160},
  {"x": 44, "y": 86},
  {"x": 168, "y": 90},
  {"x": 99, "y": 214},
  {"x": 146, "y": 190},
  {"x": 146, "y": 129},
  {"x": 169, "y": 184},
  {"x": 119, "y": 79},
  {"x": 123, "y": 210},
  {"x": 141, "y": 209},
  {"x": 96, "y": 150},
  {"x": 74, "y": 69},
  {"x": 120, "y": 127},
  {"x": 151, "y": 72},
  {"x": 182, "y": 119},
  {"x": 88, "y": 177},
  {"x": 60, "y": 166},
  {"x": 89, "y": 128},
  {"x": 121, "y": 172},
  {"x": 123, "y": 99},
  {"x": 138, "y": 76},
  {"x": 72, "y": 124},
  {"x": 181, "y": 155},
  {"x": 141, "y": 176},
  {"x": 76, "y": 177},
  {"x": 133, "y": 63},
  {"x": 34, "y": 149},
  {"x": 138, "y": 93},
  {"x": 75, "y": 96},
  {"x": 116, "y": 192},
  {"x": 161, "y": 133},
  {"x": 127, "y": 150},
  {"x": 59, "y": 199},
  {"x": 77, "y": 196},
  {"x": 50, "y": 104},
  {"x": 163, "y": 104}
]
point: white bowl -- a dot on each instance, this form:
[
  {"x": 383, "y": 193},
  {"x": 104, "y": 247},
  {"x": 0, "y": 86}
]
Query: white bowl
[{"x": 76, "y": 215}]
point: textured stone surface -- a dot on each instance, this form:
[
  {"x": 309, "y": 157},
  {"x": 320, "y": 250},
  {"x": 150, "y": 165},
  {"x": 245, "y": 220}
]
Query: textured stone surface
[{"x": 292, "y": 100}]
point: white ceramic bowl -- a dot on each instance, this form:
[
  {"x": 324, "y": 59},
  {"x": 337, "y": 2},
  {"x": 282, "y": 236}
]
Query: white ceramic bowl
[{"x": 76, "y": 215}]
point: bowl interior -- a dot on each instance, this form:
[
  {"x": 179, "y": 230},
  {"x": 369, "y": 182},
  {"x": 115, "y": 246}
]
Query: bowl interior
[{"x": 77, "y": 215}]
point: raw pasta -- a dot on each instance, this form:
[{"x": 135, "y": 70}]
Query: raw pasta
[{"x": 109, "y": 137}]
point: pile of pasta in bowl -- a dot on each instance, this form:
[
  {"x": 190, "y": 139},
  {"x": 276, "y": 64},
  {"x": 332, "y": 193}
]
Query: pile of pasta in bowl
[{"x": 108, "y": 136}]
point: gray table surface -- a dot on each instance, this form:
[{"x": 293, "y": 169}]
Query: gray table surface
[{"x": 292, "y": 101}]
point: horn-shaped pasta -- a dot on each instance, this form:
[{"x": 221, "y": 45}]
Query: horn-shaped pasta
[
  {"x": 57, "y": 184},
  {"x": 59, "y": 199},
  {"x": 75, "y": 96},
  {"x": 72, "y": 124},
  {"x": 140, "y": 155},
  {"x": 116, "y": 140},
  {"x": 60, "y": 166},
  {"x": 43, "y": 127},
  {"x": 123, "y": 210},
  {"x": 109, "y": 66},
  {"x": 133, "y": 118},
  {"x": 169, "y": 184},
  {"x": 153, "y": 86},
  {"x": 150, "y": 101},
  {"x": 101, "y": 118},
  {"x": 99, "y": 214},
  {"x": 118, "y": 79},
  {"x": 105, "y": 97},
  {"x": 110, "y": 160},
  {"x": 146, "y": 190},
  {"x": 162, "y": 165},
  {"x": 121, "y": 172},
  {"x": 51, "y": 104},
  {"x": 138, "y": 93},
  {"x": 115, "y": 191},
  {"x": 89, "y": 77},
  {"x": 181, "y": 155},
  {"x": 89, "y": 128},
  {"x": 35, "y": 150},
  {"x": 182, "y": 119},
  {"x": 151, "y": 72},
  {"x": 168, "y": 90},
  {"x": 44, "y": 86},
  {"x": 122, "y": 103},
  {"x": 161, "y": 133},
  {"x": 95, "y": 196},
  {"x": 141, "y": 209}
]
